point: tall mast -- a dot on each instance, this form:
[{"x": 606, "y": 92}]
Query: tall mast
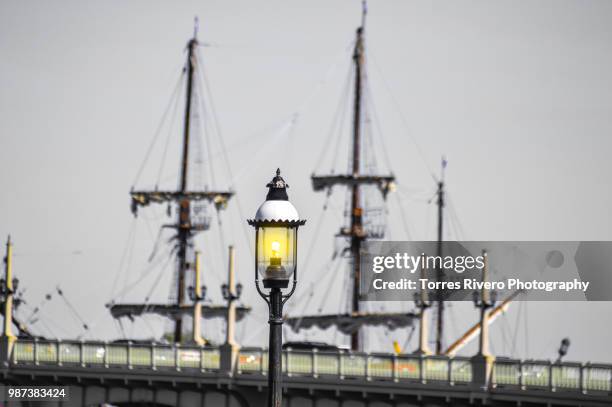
[
  {"x": 440, "y": 271},
  {"x": 186, "y": 225},
  {"x": 184, "y": 215},
  {"x": 355, "y": 231},
  {"x": 356, "y": 210}
]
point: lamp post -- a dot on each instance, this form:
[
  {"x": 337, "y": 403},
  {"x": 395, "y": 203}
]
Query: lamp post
[
  {"x": 482, "y": 362},
  {"x": 276, "y": 223},
  {"x": 421, "y": 301}
]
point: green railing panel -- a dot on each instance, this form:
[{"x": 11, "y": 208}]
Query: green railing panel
[
  {"x": 70, "y": 353},
  {"x": 327, "y": 364},
  {"x": 117, "y": 354},
  {"x": 380, "y": 367},
  {"x": 597, "y": 378},
  {"x": 536, "y": 375},
  {"x": 189, "y": 358},
  {"x": 507, "y": 373},
  {"x": 353, "y": 365},
  {"x": 23, "y": 352},
  {"x": 47, "y": 352},
  {"x": 436, "y": 369},
  {"x": 211, "y": 359},
  {"x": 566, "y": 377},
  {"x": 164, "y": 356},
  {"x": 141, "y": 356},
  {"x": 299, "y": 363},
  {"x": 461, "y": 371},
  {"x": 93, "y": 354}
]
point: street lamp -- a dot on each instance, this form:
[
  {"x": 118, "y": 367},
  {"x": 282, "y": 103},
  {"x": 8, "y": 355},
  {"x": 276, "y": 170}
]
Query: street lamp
[{"x": 276, "y": 223}]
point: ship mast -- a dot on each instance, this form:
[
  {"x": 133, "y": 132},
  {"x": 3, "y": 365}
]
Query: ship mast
[
  {"x": 184, "y": 215},
  {"x": 440, "y": 271},
  {"x": 355, "y": 231},
  {"x": 186, "y": 225}
]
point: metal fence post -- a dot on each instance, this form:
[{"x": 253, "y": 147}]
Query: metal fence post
[
  {"x": 81, "y": 356},
  {"x": 35, "y": 346},
  {"x": 58, "y": 355},
  {"x": 394, "y": 367},
  {"x": 367, "y": 367},
  {"x": 202, "y": 364},
  {"x": 177, "y": 357},
  {"x": 313, "y": 366},
  {"x": 129, "y": 354},
  {"x": 340, "y": 369},
  {"x": 521, "y": 378},
  {"x": 422, "y": 369},
  {"x": 105, "y": 355},
  {"x": 153, "y": 367},
  {"x": 551, "y": 383}
]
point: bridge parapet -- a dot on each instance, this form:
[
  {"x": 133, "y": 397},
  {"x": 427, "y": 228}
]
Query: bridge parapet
[{"x": 341, "y": 365}]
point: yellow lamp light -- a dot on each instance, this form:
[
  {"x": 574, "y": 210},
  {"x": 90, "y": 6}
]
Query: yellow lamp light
[{"x": 276, "y": 223}]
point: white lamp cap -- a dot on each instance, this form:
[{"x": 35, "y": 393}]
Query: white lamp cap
[{"x": 280, "y": 211}]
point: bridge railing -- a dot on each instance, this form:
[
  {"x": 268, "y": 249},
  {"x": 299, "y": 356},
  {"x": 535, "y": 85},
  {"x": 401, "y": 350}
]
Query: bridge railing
[
  {"x": 344, "y": 365},
  {"x": 123, "y": 355}
]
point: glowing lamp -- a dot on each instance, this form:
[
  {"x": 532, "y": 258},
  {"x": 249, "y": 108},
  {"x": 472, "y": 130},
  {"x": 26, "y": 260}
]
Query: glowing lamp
[{"x": 276, "y": 223}]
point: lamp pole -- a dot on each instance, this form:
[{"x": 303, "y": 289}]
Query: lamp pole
[{"x": 276, "y": 223}]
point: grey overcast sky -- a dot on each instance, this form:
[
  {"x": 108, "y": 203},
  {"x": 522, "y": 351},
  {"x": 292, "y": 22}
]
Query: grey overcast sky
[{"x": 517, "y": 95}]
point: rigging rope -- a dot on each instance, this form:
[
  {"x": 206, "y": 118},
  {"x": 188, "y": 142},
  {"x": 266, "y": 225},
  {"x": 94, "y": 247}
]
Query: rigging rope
[
  {"x": 338, "y": 121},
  {"x": 168, "y": 137},
  {"x": 158, "y": 131},
  {"x": 72, "y": 308},
  {"x": 403, "y": 119}
]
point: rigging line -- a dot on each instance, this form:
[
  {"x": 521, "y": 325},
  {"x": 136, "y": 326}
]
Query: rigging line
[
  {"x": 146, "y": 271},
  {"x": 148, "y": 324},
  {"x": 123, "y": 256},
  {"x": 202, "y": 84},
  {"x": 48, "y": 328},
  {"x": 158, "y": 278},
  {"x": 341, "y": 56},
  {"x": 525, "y": 317},
  {"x": 130, "y": 254},
  {"x": 159, "y": 127},
  {"x": 409, "y": 337},
  {"x": 340, "y": 113},
  {"x": 516, "y": 328},
  {"x": 506, "y": 331},
  {"x": 377, "y": 125},
  {"x": 402, "y": 117},
  {"x": 317, "y": 229},
  {"x": 311, "y": 295},
  {"x": 36, "y": 310},
  {"x": 453, "y": 211},
  {"x": 168, "y": 137},
  {"x": 334, "y": 275},
  {"x": 72, "y": 308},
  {"x": 216, "y": 123},
  {"x": 403, "y": 217},
  {"x": 206, "y": 91}
]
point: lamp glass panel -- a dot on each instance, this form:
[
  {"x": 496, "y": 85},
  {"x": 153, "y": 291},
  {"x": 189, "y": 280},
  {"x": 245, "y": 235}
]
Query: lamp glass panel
[{"x": 275, "y": 252}]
